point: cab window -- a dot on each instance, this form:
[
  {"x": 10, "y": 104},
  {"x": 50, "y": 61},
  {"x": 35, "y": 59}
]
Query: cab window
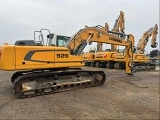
[{"x": 62, "y": 40}]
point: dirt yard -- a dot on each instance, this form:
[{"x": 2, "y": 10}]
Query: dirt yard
[{"x": 121, "y": 97}]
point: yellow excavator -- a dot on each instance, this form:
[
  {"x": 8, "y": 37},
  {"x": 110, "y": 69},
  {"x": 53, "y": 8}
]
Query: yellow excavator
[
  {"x": 141, "y": 61},
  {"x": 44, "y": 69},
  {"x": 152, "y": 32},
  {"x": 105, "y": 58}
]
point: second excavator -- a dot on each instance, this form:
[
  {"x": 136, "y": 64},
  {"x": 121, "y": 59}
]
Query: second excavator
[
  {"x": 141, "y": 61},
  {"x": 105, "y": 58},
  {"x": 49, "y": 69}
]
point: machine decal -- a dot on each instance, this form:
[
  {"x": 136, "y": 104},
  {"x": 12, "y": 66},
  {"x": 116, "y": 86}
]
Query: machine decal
[
  {"x": 62, "y": 55},
  {"x": 31, "y": 53}
]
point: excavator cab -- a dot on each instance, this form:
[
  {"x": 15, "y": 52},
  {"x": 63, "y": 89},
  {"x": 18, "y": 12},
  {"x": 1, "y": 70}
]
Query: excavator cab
[
  {"x": 51, "y": 40},
  {"x": 58, "y": 40}
]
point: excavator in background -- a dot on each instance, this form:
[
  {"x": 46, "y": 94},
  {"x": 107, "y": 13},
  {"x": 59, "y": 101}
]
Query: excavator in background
[
  {"x": 144, "y": 40},
  {"x": 45, "y": 69},
  {"x": 141, "y": 60},
  {"x": 155, "y": 55},
  {"x": 105, "y": 58}
]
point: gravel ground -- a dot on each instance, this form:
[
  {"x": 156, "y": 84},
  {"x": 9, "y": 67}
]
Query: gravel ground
[{"x": 121, "y": 97}]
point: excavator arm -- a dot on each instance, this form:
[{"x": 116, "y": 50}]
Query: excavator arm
[
  {"x": 99, "y": 45},
  {"x": 119, "y": 23},
  {"x": 98, "y": 34},
  {"x": 144, "y": 40},
  {"x": 154, "y": 36},
  {"x": 119, "y": 26}
]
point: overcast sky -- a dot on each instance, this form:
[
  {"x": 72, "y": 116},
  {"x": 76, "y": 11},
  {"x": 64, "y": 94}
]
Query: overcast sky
[{"x": 20, "y": 18}]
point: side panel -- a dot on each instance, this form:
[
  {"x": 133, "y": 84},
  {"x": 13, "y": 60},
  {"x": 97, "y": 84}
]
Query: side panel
[
  {"x": 140, "y": 58},
  {"x": 136, "y": 58},
  {"x": 64, "y": 59},
  {"x": 88, "y": 56},
  {"x": 7, "y": 57},
  {"x": 34, "y": 57},
  {"x": 37, "y": 57},
  {"x": 77, "y": 61},
  {"x": 119, "y": 57},
  {"x": 45, "y": 57},
  {"x": 104, "y": 56}
]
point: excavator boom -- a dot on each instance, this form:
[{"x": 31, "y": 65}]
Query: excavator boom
[
  {"x": 97, "y": 34},
  {"x": 144, "y": 40}
]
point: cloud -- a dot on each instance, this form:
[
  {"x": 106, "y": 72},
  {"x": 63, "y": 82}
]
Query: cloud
[{"x": 20, "y": 18}]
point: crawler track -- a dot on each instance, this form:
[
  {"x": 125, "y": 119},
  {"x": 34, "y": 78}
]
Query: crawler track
[{"x": 31, "y": 84}]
